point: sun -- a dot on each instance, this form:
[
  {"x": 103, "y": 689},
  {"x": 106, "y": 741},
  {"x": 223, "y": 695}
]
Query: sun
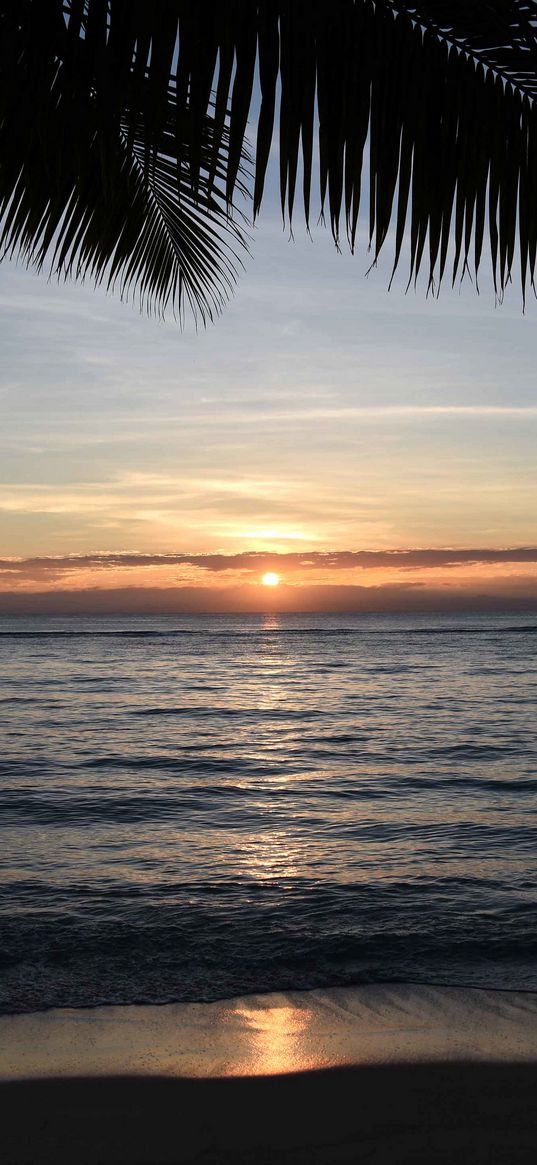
[{"x": 270, "y": 579}]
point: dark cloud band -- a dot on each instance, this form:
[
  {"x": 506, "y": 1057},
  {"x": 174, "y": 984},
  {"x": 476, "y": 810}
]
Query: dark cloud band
[{"x": 253, "y": 561}]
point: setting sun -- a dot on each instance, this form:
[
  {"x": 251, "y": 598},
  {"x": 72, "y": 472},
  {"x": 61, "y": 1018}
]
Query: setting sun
[{"x": 270, "y": 579}]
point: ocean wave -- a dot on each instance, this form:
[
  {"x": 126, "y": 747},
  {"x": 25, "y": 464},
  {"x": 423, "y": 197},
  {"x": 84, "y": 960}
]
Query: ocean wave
[
  {"x": 188, "y": 812},
  {"x": 275, "y": 632}
]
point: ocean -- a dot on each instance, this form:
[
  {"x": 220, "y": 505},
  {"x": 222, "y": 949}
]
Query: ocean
[{"x": 192, "y": 808}]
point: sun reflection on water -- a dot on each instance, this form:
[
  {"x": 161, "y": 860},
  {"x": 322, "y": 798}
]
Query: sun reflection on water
[
  {"x": 271, "y": 622},
  {"x": 275, "y": 1040},
  {"x": 269, "y": 856},
  {"x": 272, "y": 854}
]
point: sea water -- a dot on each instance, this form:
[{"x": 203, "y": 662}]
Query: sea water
[{"x": 197, "y": 807}]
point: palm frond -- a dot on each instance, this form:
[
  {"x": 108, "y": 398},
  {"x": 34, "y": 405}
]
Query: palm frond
[
  {"x": 441, "y": 93},
  {"x": 81, "y": 190}
]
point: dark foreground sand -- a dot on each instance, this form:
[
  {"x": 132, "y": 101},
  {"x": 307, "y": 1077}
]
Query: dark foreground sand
[
  {"x": 392, "y": 1075},
  {"x": 452, "y": 1113}
]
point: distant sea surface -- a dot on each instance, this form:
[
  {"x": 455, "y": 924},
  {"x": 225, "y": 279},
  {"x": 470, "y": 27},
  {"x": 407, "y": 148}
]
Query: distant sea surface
[{"x": 197, "y": 807}]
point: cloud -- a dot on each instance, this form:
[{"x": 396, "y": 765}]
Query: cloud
[
  {"x": 253, "y": 561},
  {"x": 253, "y": 558}
]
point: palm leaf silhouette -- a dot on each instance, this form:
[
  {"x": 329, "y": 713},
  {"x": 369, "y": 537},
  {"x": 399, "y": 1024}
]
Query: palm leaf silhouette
[
  {"x": 122, "y": 132},
  {"x": 79, "y": 185}
]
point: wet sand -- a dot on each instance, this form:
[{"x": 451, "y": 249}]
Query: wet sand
[{"x": 370, "y": 1074}]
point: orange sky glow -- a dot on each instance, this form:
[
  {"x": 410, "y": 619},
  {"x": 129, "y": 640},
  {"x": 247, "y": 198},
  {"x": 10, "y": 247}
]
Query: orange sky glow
[
  {"x": 339, "y": 580},
  {"x": 375, "y": 451}
]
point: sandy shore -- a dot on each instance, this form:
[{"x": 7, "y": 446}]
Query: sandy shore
[{"x": 370, "y": 1074}]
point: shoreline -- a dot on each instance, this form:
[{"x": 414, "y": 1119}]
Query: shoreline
[
  {"x": 274, "y": 1033},
  {"x": 268, "y": 992},
  {"x": 377, "y": 1074}
]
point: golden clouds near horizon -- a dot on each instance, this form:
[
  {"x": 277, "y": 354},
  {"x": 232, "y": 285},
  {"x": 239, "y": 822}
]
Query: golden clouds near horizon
[{"x": 338, "y": 580}]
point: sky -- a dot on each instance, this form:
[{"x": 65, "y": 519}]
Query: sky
[{"x": 324, "y": 428}]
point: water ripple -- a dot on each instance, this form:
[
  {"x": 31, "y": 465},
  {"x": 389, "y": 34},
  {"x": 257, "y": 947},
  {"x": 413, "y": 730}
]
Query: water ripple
[{"x": 193, "y": 808}]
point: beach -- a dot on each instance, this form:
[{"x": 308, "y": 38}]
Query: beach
[{"x": 373, "y": 1073}]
